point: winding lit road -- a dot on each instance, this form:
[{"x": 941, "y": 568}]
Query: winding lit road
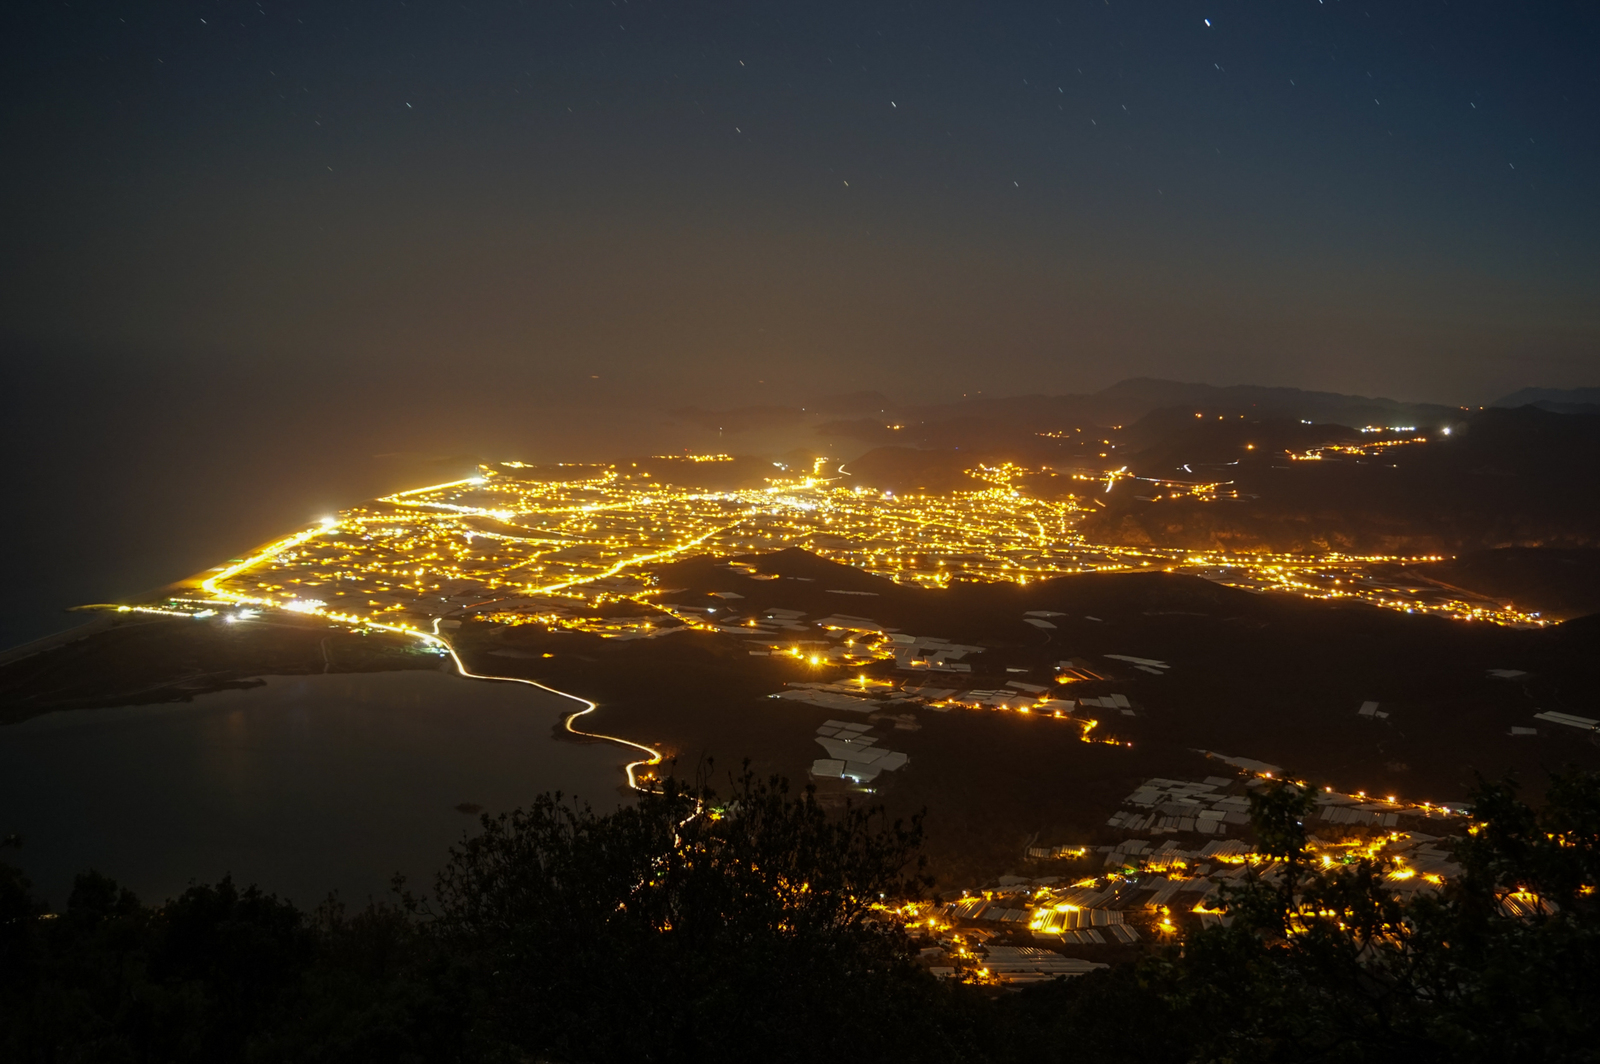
[{"x": 654, "y": 756}]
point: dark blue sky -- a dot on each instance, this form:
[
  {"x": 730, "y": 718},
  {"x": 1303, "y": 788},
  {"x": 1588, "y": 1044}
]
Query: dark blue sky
[{"x": 744, "y": 202}]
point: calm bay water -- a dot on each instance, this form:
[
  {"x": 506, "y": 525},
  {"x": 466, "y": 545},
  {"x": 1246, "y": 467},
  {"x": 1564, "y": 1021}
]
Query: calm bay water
[{"x": 307, "y": 785}]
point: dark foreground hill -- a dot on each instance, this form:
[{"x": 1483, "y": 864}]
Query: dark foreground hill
[{"x": 750, "y": 924}]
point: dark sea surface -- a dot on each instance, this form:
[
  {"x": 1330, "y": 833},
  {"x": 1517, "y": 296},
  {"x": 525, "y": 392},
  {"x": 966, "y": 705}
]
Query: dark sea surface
[{"x": 308, "y": 785}]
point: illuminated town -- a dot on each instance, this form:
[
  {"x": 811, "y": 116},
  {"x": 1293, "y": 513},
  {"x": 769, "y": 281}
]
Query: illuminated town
[
  {"x": 522, "y": 543},
  {"x": 1150, "y": 888}
]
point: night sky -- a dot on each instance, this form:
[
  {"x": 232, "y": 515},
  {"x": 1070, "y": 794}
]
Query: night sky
[
  {"x": 924, "y": 198},
  {"x": 262, "y": 260}
]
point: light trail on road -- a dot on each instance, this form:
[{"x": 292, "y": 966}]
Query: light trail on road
[{"x": 589, "y": 707}]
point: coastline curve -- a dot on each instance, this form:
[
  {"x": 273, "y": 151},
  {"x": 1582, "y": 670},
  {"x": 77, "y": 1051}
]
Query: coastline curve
[{"x": 654, "y": 756}]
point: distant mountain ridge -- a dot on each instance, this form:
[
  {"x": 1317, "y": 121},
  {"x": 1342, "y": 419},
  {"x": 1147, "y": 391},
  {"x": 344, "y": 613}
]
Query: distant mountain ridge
[
  {"x": 1133, "y": 398},
  {"x": 1555, "y": 400},
  {"x": 866, "y": 414}
]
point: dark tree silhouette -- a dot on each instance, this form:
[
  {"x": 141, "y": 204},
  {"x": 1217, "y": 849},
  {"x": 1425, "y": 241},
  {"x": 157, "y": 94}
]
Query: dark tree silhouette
[
  {"x": 695, "y": 926},
  {"x": 1329, "y": 964},
  {"x": 689, "y": 926}
]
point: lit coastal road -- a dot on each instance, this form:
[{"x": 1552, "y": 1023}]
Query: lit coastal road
[
  {"x": 653, "y": 756},
  {"x": 210, "y": 585}
]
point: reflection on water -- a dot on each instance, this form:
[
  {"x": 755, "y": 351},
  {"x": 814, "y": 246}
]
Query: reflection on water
[{"x": 310, "y": 784}]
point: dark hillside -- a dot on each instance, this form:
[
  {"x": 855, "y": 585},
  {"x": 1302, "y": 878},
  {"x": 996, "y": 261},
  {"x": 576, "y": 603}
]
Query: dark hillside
[{"x": 1501, "y": 478}]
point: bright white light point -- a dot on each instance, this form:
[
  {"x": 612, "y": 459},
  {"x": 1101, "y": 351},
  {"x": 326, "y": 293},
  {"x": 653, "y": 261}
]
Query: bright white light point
[
  {"x": 894, "y": 105},
  {"x": 1207, "y": 22},
  {"x": 329, "y": 522},
  {"x": 1447, "y": 430},
  {"x": 478, "y": 480}
]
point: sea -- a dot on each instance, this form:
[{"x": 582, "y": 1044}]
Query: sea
[{"x": 307, "y": 786}]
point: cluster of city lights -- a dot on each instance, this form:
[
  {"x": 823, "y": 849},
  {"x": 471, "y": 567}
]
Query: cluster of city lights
[{"x": 517, "y": 540}]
